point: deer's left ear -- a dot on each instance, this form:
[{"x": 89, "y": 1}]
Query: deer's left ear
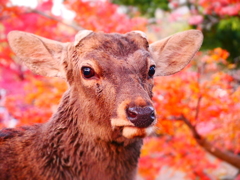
[{"x": 173, "y": 53}]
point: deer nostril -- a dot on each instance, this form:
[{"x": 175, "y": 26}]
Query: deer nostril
[
  {"x": 153, "y": 115},
  {"x": 132, "y": 113}
]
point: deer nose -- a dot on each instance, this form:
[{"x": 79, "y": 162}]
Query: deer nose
[{"x": 141, "y": 116}]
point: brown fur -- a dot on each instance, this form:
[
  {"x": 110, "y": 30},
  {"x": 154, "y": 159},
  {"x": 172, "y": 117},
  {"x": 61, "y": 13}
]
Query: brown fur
[
  {"x": 90, "y": 136},
  {"x": 78, "y": 142}
]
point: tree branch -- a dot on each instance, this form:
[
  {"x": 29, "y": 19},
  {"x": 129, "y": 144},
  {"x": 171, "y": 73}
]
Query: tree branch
[
  {"x": 196, "y": 135},
  {"x": 199, "y": 73},
  {"x": 78, "y": 28},
  {"x": 198, "y": 107},
  {"x": 29, "y": 10},
  {"x": 226, "y": 156}
]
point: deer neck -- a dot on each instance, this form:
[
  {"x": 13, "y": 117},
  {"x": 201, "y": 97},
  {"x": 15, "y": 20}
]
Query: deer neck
[{"x": 71, "y": 142}]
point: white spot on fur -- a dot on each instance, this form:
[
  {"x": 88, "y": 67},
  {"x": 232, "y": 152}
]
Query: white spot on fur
[
  {"x": 141, "y": 33},
  {"x": 80, "y": 35}
]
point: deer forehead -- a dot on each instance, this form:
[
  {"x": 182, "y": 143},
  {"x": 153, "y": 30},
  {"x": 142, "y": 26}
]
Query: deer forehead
[
  {"x": 115, "y": 42},
  {"x": 114, "y": 51}
]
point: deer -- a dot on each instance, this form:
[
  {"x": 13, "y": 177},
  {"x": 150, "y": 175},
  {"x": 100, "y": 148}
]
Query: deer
[{"x": 98, "y": 129}]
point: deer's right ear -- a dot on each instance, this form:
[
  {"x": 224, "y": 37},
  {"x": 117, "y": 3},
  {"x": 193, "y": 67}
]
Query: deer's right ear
[
  {"x": 42, "y": 56},
  {"x": 173, "y": 53}
]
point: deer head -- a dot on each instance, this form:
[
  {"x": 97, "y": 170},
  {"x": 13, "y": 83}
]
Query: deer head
[{"x": 109, "y": 75}]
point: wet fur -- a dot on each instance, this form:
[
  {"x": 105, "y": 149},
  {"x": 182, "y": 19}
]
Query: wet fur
[{"x": 78, "y": 142}]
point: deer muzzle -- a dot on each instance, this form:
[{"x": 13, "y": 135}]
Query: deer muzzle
[{"x": 141, "y": 117}]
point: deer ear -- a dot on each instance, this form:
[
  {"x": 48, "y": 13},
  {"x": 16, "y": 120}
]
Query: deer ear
[
  {"x": 81, "y": 35},
  {"x": 173, "y": 53},
  {"x": 42, "y": 56}
]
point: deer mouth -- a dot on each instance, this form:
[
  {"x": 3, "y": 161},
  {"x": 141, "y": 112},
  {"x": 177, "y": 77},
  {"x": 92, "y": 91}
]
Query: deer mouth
[{"x": 129, "y": 130}]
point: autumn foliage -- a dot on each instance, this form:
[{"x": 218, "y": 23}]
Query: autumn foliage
[
  {"x": 222, "y": 7},
  {"x": 205, "y": 94},
  {"x": 209, "y": 99}
]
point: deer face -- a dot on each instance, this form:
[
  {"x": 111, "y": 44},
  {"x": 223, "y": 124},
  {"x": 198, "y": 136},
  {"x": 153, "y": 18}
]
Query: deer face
[
  {"x": 119, "y": 75},
  {"x": 112, "y": 73}
]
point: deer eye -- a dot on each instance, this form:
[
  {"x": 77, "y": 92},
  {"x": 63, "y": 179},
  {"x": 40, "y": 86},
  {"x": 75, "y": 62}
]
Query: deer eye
[
  {"x": 88, "y": 72},
  {"x": 151, "y": 71}
]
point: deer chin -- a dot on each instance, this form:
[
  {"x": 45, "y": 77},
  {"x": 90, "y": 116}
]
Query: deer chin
[{"x": 131, "y": 132}]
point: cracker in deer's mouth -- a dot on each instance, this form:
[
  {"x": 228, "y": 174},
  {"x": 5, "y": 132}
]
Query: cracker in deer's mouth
[
  {"x": 128, "y": 130},
  {"x": 135, "y": 132}
]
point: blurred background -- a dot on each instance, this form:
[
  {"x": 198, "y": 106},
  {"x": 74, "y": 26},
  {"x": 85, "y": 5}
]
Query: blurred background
[{"x": 198, "y": 135}]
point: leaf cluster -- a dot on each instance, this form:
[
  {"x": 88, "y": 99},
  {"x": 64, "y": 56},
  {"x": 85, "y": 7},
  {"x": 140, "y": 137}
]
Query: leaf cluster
[
  {"x": 210, "y": 102},
  {"x": 225, "y": 34},
  {"x": 146, "y": 7}
]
